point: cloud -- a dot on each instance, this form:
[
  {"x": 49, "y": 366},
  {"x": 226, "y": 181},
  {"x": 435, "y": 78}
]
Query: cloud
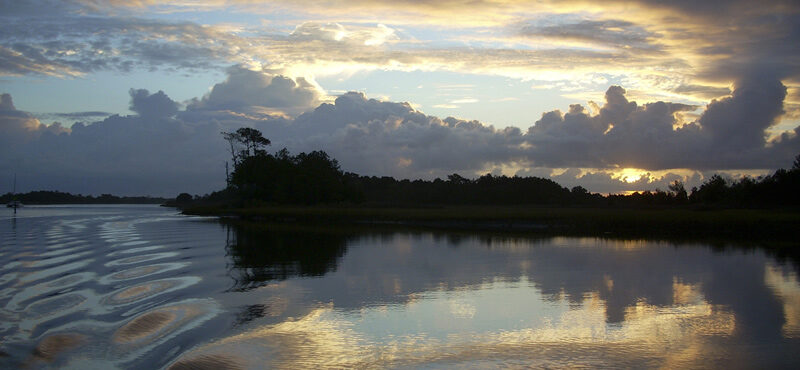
[
  {"x": 78, "y": 116},
  {"x": 608, "y": 182},
  {"x": 610, "y": 33},
  {"x": 15, "y": 63},
  {"x": 148, "y": 105},
  {"x": 74, "y": 43},
  {"x": 163, "y": 150},
  {"x": 731, "y": 133},
  {"x": 152, "y": 152},
  {"x": 247, "y": 90},
  {"x": 739, "y": 122},
  {"x": 336, "y": 32},
  {"x": 18, "y": 127},
  {"x": 6, "y": 103},
  {"x": 706, "y": 92},
  {"x": 387, "y": 138},
  {"x": 654, "y": 48}
]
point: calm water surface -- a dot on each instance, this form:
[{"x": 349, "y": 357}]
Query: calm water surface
[{"x": 144, "y": 287}]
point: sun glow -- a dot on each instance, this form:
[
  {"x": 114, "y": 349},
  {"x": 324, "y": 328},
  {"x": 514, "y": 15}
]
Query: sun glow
[{"x": 630, "y": 175}]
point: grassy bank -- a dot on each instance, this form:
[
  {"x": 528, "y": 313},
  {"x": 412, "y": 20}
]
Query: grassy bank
[{"x": 733, "y": 223}]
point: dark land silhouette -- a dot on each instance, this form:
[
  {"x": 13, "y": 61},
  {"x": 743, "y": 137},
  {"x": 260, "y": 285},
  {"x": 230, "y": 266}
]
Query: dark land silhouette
[
  {"x": 263, "y": 179},
  {"x": 311, "y": 187},
  {"x": 57, "y": 197}
]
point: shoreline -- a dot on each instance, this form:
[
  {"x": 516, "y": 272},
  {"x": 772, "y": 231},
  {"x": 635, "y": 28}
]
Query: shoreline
[{"x": 748, "y": 224}]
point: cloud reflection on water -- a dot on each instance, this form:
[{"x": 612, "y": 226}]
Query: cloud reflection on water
[
  {"x": 286, "y": 296},
  {"x": 575, "y": 336},
  {"x": 418, "y": 299}
]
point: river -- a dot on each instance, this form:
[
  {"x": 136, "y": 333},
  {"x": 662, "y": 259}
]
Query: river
[{"x": 145, "y": 287}]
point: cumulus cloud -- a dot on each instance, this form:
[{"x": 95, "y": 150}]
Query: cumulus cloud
[
  {"x": 148, "y": 105},
  {"x": 248, "y": 90},
  {"x": 739, "y": 121},
  {"x": 731, "y": 133},
  {"x": 163, "y": 150},
  {"x": 148, "y": 153},
  {"x": 378, "y": 138},
  {"x": 18, "y": 127}
]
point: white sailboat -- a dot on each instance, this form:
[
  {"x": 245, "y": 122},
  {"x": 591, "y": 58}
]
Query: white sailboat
[{"x": 14, "y": 203}]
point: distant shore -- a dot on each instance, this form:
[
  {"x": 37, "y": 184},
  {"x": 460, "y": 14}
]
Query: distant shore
[
  {"x": 49, "y": 197},
  {"x": 758, "y": 224}
]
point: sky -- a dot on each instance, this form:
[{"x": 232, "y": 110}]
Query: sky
[{"x": 130, "y": 97}]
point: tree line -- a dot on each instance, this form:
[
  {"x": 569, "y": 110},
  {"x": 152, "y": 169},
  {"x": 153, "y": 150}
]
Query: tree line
[
  {"x": 57, "y": 197},
  {"x": 262, "y": 178}
]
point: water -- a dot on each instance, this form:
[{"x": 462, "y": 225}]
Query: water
[{"x": 144, "y": 287}]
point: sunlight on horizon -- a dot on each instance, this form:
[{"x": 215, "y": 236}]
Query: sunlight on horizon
[{"x": 630, "y": 175}]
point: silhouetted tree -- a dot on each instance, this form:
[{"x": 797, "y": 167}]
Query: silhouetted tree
[
  {"x": 183, "y": 198},
  {"x": 315, "y": 177},
  {"x": 714, "y": 190},
  {"x": 245, "y": 142},
  {"x": 253, "y": 141},
  {"x": 678, "y": 191}
]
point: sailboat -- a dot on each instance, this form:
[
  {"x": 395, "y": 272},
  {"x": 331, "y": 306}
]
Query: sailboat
[{"x": 14, "y": 203}]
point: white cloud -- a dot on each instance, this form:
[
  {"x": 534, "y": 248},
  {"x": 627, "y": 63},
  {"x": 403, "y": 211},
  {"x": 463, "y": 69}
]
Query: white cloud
[{"x": 246, "y": 90}]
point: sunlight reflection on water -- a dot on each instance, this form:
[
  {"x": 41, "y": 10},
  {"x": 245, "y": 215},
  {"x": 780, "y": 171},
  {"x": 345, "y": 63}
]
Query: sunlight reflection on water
[
  {"x": 444, "y": 329},
  {"x": 144, "y": 287}
]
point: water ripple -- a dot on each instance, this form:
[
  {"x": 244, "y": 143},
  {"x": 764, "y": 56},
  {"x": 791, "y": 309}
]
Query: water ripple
[
  {"x": 101, "y": 271},
  {"x": 142, "y": 271},
  {"x": 156, "y": 325},
  {"x": 142, "y": 291},
  {"x": 141, "y": 258}
]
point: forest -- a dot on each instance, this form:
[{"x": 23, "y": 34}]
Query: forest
[{"x": 260, "y": 179}]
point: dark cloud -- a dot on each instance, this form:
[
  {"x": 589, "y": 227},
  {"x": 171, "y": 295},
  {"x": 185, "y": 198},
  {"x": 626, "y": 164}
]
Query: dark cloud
[
  {"x": 714, "y": 9},
  {"x": 706, "y": 92},
  {"x": 15, "y": 63},
  {"x": 615, "y": 33},
  {"x": 152, "y": 105},
  {"x": 754, "y": 44},
  {"x": 77, "y": 116},
  {"x": 738, "y": 122},
  {"x": 17, "y": 128},
  {"x": 387, "y": 138},
  {"x": 729, "y": 134},
  {"x": 164, "y": 151},
  {"x": 151, "y": 153},
  {"x": 6, "y": 103}
]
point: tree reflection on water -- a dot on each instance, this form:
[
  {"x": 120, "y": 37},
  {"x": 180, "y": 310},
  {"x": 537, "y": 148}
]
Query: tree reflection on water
[{"x": 263, "y": 253}]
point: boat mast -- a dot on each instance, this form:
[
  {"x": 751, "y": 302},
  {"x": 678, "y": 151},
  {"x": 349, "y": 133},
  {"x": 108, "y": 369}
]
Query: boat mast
[{"x": 13, "y": 194}]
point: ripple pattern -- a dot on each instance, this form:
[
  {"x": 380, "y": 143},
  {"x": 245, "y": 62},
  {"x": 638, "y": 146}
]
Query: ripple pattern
[{"x": 75, "y": 286}]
